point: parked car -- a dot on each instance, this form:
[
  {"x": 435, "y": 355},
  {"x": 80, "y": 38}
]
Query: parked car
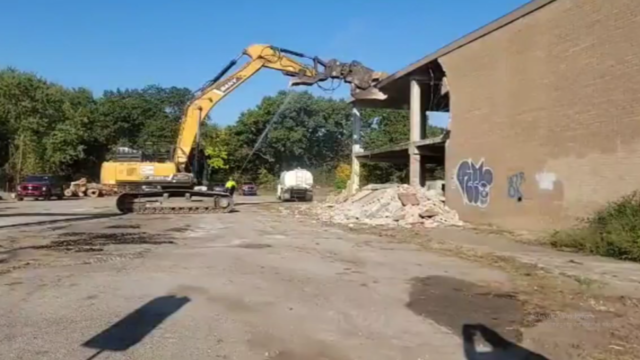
[
  {"x": 217, "y": 187},
  {"x": 40, "y": 187},
  {"x": 248, "y": 188}
]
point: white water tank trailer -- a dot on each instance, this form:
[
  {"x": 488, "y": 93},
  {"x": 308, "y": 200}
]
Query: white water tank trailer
[{"x": 295, "y": 185}]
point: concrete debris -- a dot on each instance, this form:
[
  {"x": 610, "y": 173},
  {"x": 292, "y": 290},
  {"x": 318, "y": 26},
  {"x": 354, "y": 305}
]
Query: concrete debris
[
  {"x": 408, "y": 199},
  {"x": 397, "y": 205},
  {"x": 428, "y": 214},
  {"x": 337, "y": 199}
]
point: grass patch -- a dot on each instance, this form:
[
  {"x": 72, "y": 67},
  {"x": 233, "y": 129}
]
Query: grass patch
[{"x": 613, "y": 231}]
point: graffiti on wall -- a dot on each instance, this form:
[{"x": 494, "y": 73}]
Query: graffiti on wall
[
  {"x": 514, "y": 186},
  {"x": 474, "y": 181}
]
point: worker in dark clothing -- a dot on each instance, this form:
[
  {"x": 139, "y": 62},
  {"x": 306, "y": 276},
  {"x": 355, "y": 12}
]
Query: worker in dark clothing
[{"x": 231, "y": 187}]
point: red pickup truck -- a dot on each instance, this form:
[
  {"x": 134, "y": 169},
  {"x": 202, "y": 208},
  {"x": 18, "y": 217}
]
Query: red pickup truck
[{"x": 40, "y": 187}]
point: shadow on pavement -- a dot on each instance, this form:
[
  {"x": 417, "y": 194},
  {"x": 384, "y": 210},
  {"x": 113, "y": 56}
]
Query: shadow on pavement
[
  {"x": 477, "y": 310},
  {"x": 52, "y": 199},
  {"x": 453, "y": 302},
  {"x": 245, "y": 203},
  {"x": 53, "y": 214},
  {"x": 502, "y": 349},
  {"x": 77, "y": 217},
  {"x": 134, "y": 327}
]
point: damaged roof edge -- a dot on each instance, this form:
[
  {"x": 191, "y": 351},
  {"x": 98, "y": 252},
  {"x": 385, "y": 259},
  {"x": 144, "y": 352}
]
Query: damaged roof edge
[{"x": 516, "y": 14}]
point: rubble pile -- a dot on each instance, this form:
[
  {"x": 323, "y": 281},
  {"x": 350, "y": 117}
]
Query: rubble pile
[{"x": 399, "y": 205}]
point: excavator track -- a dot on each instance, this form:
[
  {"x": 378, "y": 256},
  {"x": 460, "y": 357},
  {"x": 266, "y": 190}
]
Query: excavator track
[{"x": 138, "y": 202}]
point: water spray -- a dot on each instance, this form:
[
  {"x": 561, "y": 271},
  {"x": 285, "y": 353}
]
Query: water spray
[{"x": 266, "y": 130}]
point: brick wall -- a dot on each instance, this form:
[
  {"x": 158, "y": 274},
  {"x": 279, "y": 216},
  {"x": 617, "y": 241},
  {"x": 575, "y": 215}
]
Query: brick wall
[{"x": 551, "y": 104}]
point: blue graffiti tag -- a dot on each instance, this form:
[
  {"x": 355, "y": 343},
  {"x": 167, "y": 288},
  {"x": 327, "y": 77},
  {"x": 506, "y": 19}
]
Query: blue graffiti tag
[
  {"x": 474, "y": 182},
  {"x": 515, "y": 185}
]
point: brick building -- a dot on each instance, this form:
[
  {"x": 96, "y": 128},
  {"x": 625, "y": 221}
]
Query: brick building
[{"x": 545, "y": 113}]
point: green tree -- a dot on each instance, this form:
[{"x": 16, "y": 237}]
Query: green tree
[
  {"x": 217, "y": 142},
  {"x": 46, "y": 125},
  {"x": 288, "y": 130},
  {"x": 146, "y": 119}
]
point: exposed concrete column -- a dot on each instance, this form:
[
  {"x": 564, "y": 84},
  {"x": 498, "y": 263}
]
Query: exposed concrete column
[
  {"x": 417, "y": 112},
  {"x": 354, "y": 181},
  {"x": 417, "y": 129}
]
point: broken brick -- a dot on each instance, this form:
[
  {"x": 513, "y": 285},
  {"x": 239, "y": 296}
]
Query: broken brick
[{"x": 408, "y": 199}]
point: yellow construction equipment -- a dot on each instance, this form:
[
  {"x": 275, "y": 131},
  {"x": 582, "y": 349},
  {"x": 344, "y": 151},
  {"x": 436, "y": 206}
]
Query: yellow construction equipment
[{"x": 141, "y": 179}]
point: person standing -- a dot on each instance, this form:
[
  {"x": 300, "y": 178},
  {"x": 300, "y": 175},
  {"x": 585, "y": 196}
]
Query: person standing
[{"x": 231, "y": 187}]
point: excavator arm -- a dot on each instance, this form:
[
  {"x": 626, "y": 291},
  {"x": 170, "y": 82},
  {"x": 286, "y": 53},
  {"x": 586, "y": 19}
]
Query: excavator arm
[{"x": 359, "y": 77}]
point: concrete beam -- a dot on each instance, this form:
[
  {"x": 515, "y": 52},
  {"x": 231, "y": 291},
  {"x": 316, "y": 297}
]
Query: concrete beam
[
  {"x": 433, "y": 147},
  {"x": 431, "y": 141},
  {"x": 390, "y": 160},
  {"x": 424, "y": 151},
  {"x": 387, "y": 149}
]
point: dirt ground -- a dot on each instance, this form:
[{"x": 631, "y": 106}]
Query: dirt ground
[{"x": 257, "y": 284}]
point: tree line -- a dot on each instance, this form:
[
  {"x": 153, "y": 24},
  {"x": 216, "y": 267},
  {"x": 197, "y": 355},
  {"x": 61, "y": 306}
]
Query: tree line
[{"x": 48, "y": 128}]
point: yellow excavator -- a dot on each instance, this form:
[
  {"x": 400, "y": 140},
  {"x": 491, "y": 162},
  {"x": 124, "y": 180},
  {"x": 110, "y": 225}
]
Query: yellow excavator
[{"x": 140, "y": 180}]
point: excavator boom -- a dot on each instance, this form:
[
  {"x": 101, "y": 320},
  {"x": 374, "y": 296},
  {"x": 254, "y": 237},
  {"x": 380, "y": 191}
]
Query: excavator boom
[{"x": 358, "y": 76}]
